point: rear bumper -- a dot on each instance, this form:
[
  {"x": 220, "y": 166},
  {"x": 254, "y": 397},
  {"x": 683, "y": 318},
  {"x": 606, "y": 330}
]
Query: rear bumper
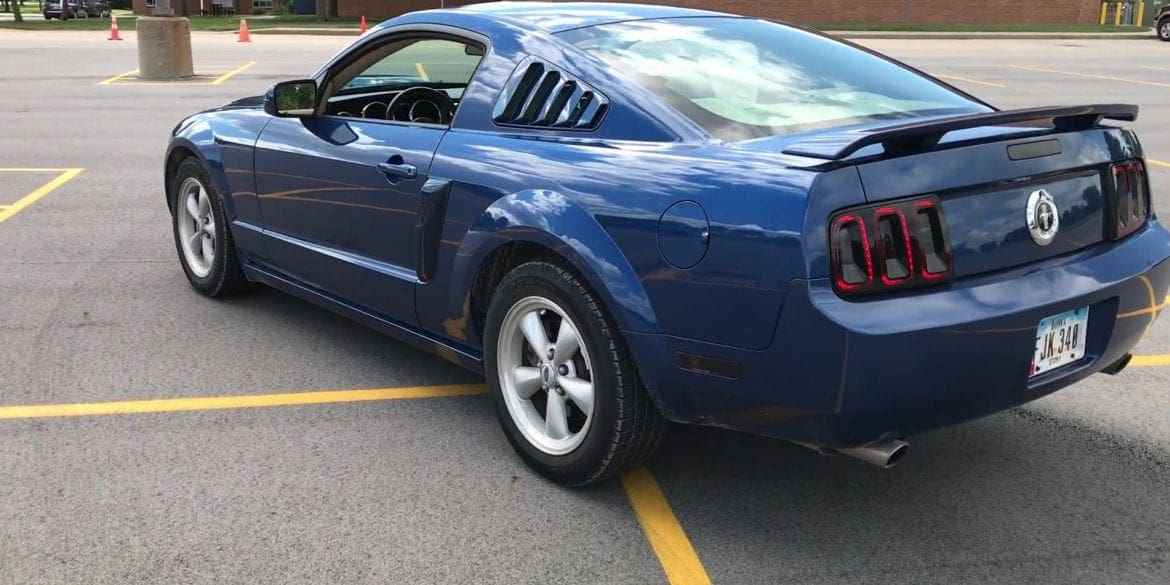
[{"x": 844, "y": 373}]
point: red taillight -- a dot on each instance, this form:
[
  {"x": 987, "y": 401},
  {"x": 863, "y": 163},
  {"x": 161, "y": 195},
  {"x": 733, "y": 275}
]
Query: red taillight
[
  {"x": 894, "y": 250},
  {"x": 852, "y": 261},
  {"x": 932, "y": 240},
  {"x": 1129, "y": 201},
  {"x": 892, "y": 246}
]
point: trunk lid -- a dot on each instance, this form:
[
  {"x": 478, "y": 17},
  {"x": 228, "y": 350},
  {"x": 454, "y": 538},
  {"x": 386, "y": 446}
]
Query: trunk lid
[
  {"x": 985, "y": 193},
  {"x": 989, "y": 171}
]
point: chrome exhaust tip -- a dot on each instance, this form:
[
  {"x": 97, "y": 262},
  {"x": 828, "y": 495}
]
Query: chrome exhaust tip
[{"x": 884, "y": 454}]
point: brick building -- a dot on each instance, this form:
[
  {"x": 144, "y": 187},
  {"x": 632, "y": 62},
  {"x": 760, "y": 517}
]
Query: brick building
[
  {"x": 817, "y": 11},
  {"x": 194, "y": 7}
]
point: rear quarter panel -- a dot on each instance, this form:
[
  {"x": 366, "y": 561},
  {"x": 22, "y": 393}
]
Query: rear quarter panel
[{"x": 603, "y": 201}]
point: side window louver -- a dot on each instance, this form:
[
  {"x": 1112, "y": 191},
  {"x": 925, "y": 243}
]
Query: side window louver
[{"x": 538, "y": 95}]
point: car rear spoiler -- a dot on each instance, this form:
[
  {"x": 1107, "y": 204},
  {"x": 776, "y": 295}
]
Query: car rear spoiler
[{"x": 920, "y": 136}]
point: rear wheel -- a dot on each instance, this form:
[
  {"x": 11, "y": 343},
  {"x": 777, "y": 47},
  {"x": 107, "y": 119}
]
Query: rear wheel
[
  {"x": 562, "y": 382},
  {"x": 1164, "y": 29},
  {"x": 202, "y": 236}
]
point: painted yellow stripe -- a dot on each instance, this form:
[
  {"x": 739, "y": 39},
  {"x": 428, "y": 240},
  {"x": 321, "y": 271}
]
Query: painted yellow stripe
[
  {"x": 1158, "y": 162},
  {"x": 117, "y": 77},
  {"x": 45, "y": 189},
  {"x": 666, "y": 536},
  {"x": 422, "y": 72},
  {"x": 1151, "y": 360},
  {"x": 1091, "y": 76},
  {"x": 228, "y": 402},
  {"x": 233, "y": 72},
  {"x": 969, "y": 80}
]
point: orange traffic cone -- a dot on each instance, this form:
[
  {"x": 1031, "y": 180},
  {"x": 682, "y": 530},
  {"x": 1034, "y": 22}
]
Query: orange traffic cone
[
  {"x": 363, "y": 31},
  {"x": 244, "y": 36},
  {"x": 114, "y": 36}
]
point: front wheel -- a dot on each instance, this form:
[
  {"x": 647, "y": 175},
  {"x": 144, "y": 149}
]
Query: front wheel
[
  {"x": 562, "y": 381},
  {"x": 203, "y": 238},
  {"x": 1164, "y": 29}
]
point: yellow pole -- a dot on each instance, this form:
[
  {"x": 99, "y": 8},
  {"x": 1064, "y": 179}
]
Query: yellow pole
[
  {"x": 1141, "y": 14},
  {"x": 1104, "y": 12},
  {"x": 1117, "y": 15}
]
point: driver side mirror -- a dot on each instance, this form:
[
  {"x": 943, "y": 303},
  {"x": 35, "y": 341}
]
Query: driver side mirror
[{"x": 292, "y": 98}]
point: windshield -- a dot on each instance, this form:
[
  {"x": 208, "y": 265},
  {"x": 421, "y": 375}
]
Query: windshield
[{"x": 743, "y": 78}]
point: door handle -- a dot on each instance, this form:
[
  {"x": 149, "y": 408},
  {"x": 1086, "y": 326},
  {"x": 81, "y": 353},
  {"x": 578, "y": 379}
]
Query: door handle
[{"x": 403, "y": 170}]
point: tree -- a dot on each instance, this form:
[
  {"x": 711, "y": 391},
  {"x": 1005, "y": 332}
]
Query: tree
[
  {"x": 333, "y": 9},
  {"x": 16, "y": 15},
  {"x": 322, "y": 10}
]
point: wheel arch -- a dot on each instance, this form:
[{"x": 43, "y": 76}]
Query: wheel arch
[
  {"x": 540, "y": 224},
  {"x": 196, "y": 140}
]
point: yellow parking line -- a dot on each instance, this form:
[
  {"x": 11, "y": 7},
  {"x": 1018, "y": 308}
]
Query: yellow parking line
[
  {"x": 228, "y": 402},
  {"x": 45, "y": 189},
  {"x": 117, "y": 77},
  {"x": 233, "y": 72},
  {"x": 679, "y": 561},
  {"x": 969, "y": 80},
  {"x": 422, "y": 72},
  {"x": 1090, "y": 75},
  {"x": 1158, "y": 162},
  {"x": 1151, "y": 360}
]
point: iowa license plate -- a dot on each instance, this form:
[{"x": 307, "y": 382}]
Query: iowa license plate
[{"x": 1060, "y": 340}]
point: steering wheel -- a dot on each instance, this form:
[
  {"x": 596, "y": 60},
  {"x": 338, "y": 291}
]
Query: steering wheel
[{"x": 429, "y": 106}]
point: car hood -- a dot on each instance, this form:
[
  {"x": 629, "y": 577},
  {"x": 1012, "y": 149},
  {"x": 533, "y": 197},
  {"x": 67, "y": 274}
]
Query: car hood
[
  {"x": 255, "y": 102},
  {"x": 249, "y": 103}
]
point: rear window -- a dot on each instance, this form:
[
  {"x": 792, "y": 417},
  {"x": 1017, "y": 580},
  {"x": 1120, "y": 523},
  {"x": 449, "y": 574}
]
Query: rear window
[{"x": 743, "y": 78}]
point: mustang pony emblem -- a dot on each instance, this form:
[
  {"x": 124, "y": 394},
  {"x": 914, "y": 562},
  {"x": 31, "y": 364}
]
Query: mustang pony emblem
[{"x": 1043, "y": 217}]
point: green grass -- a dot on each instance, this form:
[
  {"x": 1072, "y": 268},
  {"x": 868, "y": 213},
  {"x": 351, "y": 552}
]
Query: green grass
[
  {"x": 941, "y": 27},
  {"x": 34, "y": 21}
]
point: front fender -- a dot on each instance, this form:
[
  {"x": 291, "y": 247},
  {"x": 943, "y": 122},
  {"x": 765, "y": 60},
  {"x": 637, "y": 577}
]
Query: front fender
[
  {"x": 197, "y": 138},
  {"x": 556, "y": 222},
  {"x": 225, "y": 141}
]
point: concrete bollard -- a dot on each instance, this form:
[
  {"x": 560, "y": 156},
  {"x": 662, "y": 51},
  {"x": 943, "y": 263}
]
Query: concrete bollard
[{"x": 164, "y": 47}]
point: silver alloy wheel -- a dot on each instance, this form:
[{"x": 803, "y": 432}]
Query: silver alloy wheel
[
  {"x": 196, "y": 227},
  {"x": 547, "y": 384},
  {"x": 1164, "y": 29}
]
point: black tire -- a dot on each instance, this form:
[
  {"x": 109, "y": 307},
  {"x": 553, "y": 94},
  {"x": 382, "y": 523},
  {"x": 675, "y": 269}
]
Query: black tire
[
  {"x": 626, "y": 428},
  {"x": 1163, "y": 29},
  {"x": 226, "y": 276}
]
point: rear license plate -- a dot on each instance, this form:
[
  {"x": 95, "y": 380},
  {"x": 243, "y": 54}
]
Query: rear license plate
[{"x": 1060, "y": 340}]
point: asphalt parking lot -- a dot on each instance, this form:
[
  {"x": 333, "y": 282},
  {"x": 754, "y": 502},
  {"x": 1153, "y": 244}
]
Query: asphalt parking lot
[{"x": 419, "y": 485}]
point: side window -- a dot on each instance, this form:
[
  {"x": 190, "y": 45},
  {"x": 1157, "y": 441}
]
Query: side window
[{"x": 415, "y": 80}]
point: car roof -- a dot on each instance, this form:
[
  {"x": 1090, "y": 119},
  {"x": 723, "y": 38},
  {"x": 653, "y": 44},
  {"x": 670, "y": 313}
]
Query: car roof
[{"x": 562, "y": 16}]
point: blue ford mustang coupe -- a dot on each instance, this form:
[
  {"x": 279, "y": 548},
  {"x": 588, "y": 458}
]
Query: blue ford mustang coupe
[{"x": 624, "y": 215}]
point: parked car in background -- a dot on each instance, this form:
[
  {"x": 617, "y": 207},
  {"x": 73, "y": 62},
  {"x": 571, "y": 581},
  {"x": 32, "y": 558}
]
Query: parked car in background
[
  {"x": 95, "y": 8},
  {"x": 52, "y": 9},
  {"x": 1162, "y": 23}
]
